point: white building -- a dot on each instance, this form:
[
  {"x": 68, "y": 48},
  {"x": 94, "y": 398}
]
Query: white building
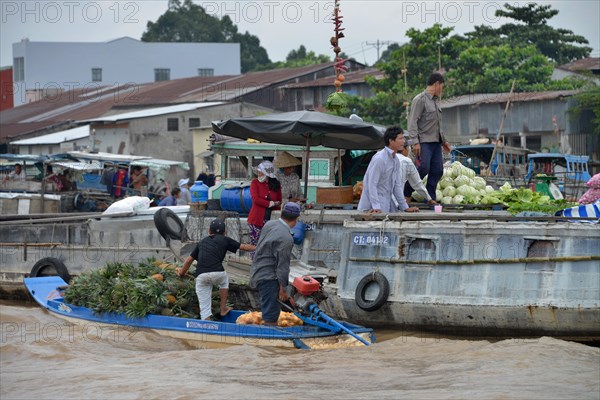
[
  {"x": 45, "y": 69},
  {"x": 57, "y": 142}
]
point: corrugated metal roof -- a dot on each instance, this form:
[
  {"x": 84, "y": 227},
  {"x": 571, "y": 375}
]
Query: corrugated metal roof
[
  {"x": 79, "y": 165},
  {"x": 350, "y": 77},
  {"x": 158, "y": 163},
  {"x": 106, "y": 156},
  {"x": 57, "y": 137},
  {"x": 586, "y": 64},
  {"x": 91, "y": 103},
  {"x": 491, "y": 98},
  {"x": 152, "y": 112}
]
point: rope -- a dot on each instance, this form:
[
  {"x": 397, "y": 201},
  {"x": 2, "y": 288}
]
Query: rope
[{"x": 382, "y": 228}]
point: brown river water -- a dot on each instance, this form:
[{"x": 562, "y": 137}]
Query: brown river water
[{"x": 44, "y": 357}]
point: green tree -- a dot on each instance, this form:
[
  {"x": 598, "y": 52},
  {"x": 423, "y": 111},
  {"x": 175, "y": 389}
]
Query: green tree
[
  {"x": 422, "y": 55},
  {"x": 492, "y": 70},
  {"x": 188, "y": 22},
  {"x": 300, "y": 58},
  {"x": 385, "y": 56},
  {"x": 559, "y": 45},
  {"x": 405, "y": 74},
  {"x": 472, "y": 68},
  {"x": 588, "y": 101}
]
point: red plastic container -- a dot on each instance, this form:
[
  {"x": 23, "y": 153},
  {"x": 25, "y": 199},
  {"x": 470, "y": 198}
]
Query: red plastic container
[{"x": 306, "y": 285}]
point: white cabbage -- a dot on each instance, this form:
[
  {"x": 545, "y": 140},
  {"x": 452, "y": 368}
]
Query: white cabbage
[
  {"x": 438, "y": 195},
  {"x": 479, "y": 182},
  {"x": 446, "y": 200},
  {"x": 469, "y": 172},
  {"x": 445, "y": 182},
  {"x": 456, "y": 170},
  {"x": 418, "y": 196},
  {"x": 461, "y": 180},
  {"x": 458, "y": 199},
  {"x": 449, "y": 191},
  {"x": 463, "y": 190},
  {"x": 506, "y": 187}
]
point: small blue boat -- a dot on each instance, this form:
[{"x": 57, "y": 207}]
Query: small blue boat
[{"x": 316, "y": 333}]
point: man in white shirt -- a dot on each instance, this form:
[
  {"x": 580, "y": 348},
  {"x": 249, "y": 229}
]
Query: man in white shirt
[
  {"x": 382, "y": 180},
  {"x": 17, "y": 175}
]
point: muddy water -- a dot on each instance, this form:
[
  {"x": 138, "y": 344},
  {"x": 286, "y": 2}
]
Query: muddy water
[{"x": 43, "y": 357}]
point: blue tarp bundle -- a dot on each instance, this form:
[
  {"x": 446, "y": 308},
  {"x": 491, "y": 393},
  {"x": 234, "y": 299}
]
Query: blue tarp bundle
[{"x": 585, "y": 211}]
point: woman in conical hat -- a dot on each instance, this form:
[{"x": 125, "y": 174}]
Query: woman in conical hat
[
  {"x": 289, "y": 179},
  {"x": 265, "y": 192}
]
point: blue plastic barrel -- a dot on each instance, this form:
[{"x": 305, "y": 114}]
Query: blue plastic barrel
[
  {"x": 298, "y": 232},
  {"x": 236, "y": 199},
  {"x": 199, "y": 192}
]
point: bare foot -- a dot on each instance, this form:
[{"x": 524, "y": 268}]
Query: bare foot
[{"x": 226, "y": 311}]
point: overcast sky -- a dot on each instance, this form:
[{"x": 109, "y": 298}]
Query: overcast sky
[{"x": 281, "y": 26}]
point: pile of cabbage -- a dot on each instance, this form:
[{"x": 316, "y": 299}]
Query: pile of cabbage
[{"x": 459, "y": 185}]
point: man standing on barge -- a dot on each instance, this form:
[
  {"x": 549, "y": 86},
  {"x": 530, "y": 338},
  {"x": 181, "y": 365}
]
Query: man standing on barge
[{"x": 424, "y": 127}]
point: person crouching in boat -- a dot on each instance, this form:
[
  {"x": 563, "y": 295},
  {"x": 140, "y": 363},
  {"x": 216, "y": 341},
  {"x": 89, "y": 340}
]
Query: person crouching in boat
[
  {"x": 271, "y": 266},
  {"x": 209, "y": 254}
]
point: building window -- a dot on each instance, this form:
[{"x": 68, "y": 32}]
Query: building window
[
  {"x": 162, "y": 74},
  {"x": 236, "y": 169},
  {"x": 318, "y": 169},
  {"x": 194, "y": 122},
  {"x": 19, "y": 72},
  {"x": 96, "y": 74},
  {"x": 172, "y": 124},
  {"x": 206, "y": 71}
]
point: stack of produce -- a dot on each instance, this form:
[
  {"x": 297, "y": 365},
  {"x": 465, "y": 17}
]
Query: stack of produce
[
  {"x": 357, "y": 190},
  {"x": 152, "y": 287},
  {"x": 255, "y": 318},
  {"x": 593, "y": 194},
  {"x": 459, "y": 185}
]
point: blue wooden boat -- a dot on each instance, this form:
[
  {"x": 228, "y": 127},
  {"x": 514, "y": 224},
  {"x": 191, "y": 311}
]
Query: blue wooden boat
[{"x": 314, "y": 334}]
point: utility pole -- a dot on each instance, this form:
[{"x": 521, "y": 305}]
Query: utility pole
[{"x": 379, "y": 44}]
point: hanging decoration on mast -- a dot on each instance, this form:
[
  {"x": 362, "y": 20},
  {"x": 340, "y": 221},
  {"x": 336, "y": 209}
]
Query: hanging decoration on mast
[
  {"x": 336, "y": 101},
  {"x": 339, "y": 63}
]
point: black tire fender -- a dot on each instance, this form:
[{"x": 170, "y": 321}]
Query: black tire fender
[
  {"x": 382, "y": 296},
  {"x": 45, "y": 266},
  {"x": 168, "y": 224},
  {"x": 78, "y": 200}
]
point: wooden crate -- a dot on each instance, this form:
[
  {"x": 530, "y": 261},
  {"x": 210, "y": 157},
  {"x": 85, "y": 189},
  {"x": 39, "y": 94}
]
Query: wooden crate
[{"x": 335, "y": 195}]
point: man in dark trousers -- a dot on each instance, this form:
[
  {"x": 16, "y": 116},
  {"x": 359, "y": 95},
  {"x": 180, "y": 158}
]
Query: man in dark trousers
[
  {"x": 210, "y": 253},
  {"x": 271, "y": 266},
  {"x": 424, "y": 127}
]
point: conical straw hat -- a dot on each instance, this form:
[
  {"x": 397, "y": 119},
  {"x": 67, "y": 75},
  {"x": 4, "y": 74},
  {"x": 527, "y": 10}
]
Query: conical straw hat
[{"x": 285, "y": 159}]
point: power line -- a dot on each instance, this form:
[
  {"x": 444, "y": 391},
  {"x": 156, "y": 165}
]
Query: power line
[{"x": 379, "y": 44}]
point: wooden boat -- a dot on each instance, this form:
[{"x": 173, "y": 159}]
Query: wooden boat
[{"x": 199, "y": 333}]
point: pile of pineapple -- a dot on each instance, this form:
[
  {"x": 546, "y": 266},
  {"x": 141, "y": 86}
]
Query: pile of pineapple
[{"x": 151, "y": 287}]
